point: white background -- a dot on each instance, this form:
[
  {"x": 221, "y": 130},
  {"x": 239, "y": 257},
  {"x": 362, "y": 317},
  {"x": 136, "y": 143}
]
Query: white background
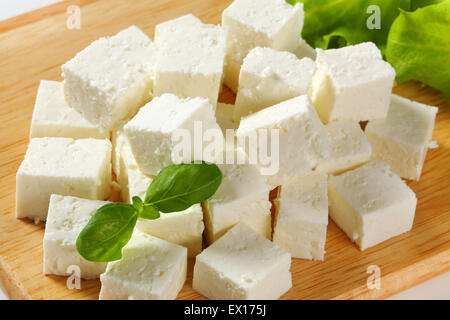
[{"x": 436, "y": 288}]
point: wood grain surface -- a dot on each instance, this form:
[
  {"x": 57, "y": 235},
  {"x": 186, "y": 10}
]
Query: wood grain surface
[{"x": 33, "y": 47}]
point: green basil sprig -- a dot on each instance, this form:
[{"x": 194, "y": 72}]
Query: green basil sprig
[{"x": 176, "y": 188}]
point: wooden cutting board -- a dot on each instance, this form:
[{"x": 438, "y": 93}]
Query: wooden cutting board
[{"x": 34, "y": 45}]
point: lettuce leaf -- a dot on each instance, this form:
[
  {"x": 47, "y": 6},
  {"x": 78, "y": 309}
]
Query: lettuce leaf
[
  {"x": 416, "y": 4},
  {"x": 418, "y": 46},
  {"x": 336, "y": 23}
]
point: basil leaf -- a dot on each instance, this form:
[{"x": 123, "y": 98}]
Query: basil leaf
[
  {"x": 138, "y": 204},
  {"x": 149, "y": 212},
  {"x": 177, "y": 187},
  {"x": 108, "y": 231},
  {"x": 419, "y": 46}
]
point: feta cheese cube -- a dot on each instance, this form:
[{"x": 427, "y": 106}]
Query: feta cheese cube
[
  {"x": 269, "y": 77},
  {"x": 402, "y": 139},
  {"x": 352, "y": 83},
  {"x": 150, "y": 269},
  {"x": 53, "y": 117},
  {"x": 67, "y": 216},
  {"x": 243, "y": 195},
  {"x": 269, "y": 23},
  {"x": 349, "y": 147},
  {"x": 111, "y": 78},
  {"x": 302, "y": 216},
  {"x": 80, "y": 168},
  {"x": 132, "y": 181},
  {"x": 137, "y": 184},
  {"x": 304, "y": 50},
  {"x": 164, "y": 30},
  {"x": 154, "y": 131},
  {"x": 190, "y": 60},
  {"x": 242, "y": 265},
  {"x": 371, "y": 204},
  {"x": 302, "y": 139},
  {"x": 224, "y": 116},
  {"x": 184, "y": 228},
  {"x": 118, "y": 139}
]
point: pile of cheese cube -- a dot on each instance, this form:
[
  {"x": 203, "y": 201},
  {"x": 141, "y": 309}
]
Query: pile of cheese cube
[{"x": 123, "y": 98}]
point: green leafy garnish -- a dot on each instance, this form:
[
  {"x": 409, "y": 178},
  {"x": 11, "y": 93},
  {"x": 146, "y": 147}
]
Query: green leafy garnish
[
  {"x": 145, "y": 210},
  {"x": 108, "y": 231},
  {"x": 412, "y": 34},
  {"x": 337, "y": 23},
  {"x": 176, "y": 188},
  {"x": 416, "y": 4},
  {"x": 138, "y": 204},
  {"x": 149, "y": 212},
  {"x": 419, "y": 46}
]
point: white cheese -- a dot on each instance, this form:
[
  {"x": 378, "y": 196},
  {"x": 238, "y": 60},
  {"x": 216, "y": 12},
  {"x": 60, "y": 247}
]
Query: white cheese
[
  {"x": 151, "y": 131},
  {"x": 304, "y": 50},
  {"x": 137, "y": 184},
  {"x": 118, "y": 139},
  {"x": 269, "y": 77},
  {"x": 303, "y": 139},
  {"x": 302, "y": 217},
  {"x": 165, "y": 29},
  {"x": 67, "y": 216},
  {"x": 269, "y": 23},
  {"x": 190, "y": 60},
  {"x": 150, "y": 269},
  {"x": 402, "y": 139},
  {"x": 371, "y": 204},
  {"x": 80, "y": 168},
  {"x": 112, "y": 77},
  {"x": 184, "y": 228},
  {"x": 242, "y": 265},
  {"x": 132, "y": 181},
  {"x": 349, "y": 147},
  {"x": 53, "y": 117},
  {"x": 352, "y": 83},
  {"x": 242, "y": 196}
]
